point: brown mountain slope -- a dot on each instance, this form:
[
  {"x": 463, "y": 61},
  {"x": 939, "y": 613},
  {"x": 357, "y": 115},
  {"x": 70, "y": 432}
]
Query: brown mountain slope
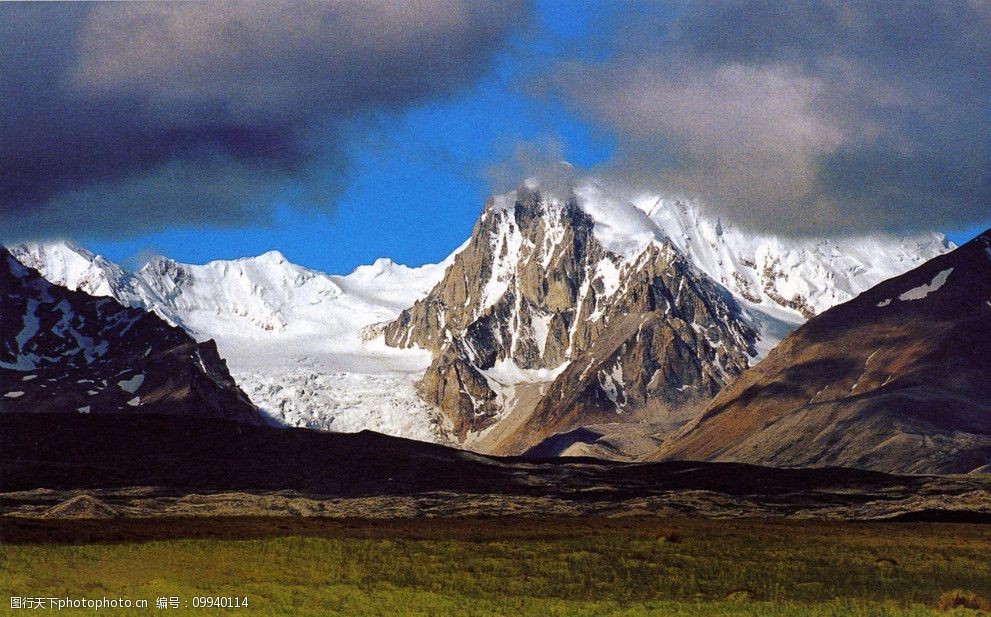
[{"x": 896, "y": 380}]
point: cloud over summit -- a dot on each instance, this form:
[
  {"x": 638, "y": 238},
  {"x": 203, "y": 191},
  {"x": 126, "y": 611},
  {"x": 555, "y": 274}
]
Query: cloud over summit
[{"x": 803, "y": 117}]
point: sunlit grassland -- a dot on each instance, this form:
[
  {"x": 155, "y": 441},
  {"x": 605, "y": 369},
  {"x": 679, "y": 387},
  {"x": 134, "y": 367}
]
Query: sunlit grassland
[{"x": 514, "y": 567}]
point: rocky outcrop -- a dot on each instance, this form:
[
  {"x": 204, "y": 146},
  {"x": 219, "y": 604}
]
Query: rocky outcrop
[
  {"x": 670, "y": 340},
  {"x": 521, "y": 288},
  {"x": 896, "y": 380},
  {"x": 65, "y": 351},
  {"x": 543, "y": 293}
]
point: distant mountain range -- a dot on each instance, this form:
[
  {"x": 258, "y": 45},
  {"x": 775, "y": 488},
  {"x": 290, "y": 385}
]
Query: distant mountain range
[
  {"x": 577, "y": 323},
  {"x": 293, "y": 336},
  {"x": 64, "y": 351}
]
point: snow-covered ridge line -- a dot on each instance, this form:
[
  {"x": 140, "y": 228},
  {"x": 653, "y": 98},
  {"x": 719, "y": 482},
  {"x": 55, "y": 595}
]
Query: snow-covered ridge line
[
  {"x": 804, "y": 276},
  {"x": 251, "y": 297},
  {"x": 790, "y": 278},
  {"x": 292, "y": 336},
  {"x": 779, "y": 282}
]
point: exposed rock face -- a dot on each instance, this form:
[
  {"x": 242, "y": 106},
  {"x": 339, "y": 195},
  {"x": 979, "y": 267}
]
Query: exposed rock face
[
  {"x": 543, "y": 293},
  {"x": 66, "y": 351},
  {"x": 670, "y": 338},
  {"x": 897, "y": 380}
]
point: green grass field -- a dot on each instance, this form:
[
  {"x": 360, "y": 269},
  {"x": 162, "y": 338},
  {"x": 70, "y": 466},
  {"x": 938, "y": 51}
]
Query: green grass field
[{"x": 526, "y": 567}]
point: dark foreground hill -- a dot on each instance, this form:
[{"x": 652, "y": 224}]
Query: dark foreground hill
[{"x": 98, "y": 466}]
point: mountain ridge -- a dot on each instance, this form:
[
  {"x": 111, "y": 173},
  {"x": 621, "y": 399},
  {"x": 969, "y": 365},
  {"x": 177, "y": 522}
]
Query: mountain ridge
[
  {"x": 535, "y": 290},
  {"x": 67, "y": 352},
  {"x": 539, "y": 281}
]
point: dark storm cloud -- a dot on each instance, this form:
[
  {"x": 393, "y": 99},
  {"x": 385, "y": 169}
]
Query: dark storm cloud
[
  {"x": 127, "y": 117},
  {"x": 803, "y": 117}
]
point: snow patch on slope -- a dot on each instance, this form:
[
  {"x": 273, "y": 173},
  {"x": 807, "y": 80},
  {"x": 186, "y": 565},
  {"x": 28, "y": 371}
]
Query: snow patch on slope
[
  {"x": 506, "y": 245},
  {"x": 920, "y": 292},
  {"x": 541, "y": 328},
  {"x": 131, "y": 385}
]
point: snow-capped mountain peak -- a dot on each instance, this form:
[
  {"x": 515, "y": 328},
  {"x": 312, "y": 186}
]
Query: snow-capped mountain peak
[
  {"x": 574, "y": 282},
  {"x": 72, "y": 266},
  {"x": 793, "y": 278},
  {"x": 800, "y": 277},
  {"x": 272, "y": 256},
  {"x": 786, "y": 279},
  {"x": 247, "y": 298},
  {"x": 620, "y": 226}
]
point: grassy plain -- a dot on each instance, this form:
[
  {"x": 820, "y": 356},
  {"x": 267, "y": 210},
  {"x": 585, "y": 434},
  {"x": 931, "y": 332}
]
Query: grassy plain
[{"x": 632, "y": 566}]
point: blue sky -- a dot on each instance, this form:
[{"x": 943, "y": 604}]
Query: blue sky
[
  {"x": 417, "y": 180},
  {"x": 959, "y": 236},
  {"x": 414, "y": 172}
]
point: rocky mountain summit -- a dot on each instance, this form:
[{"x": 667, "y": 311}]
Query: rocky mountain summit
[
  {"x": 569, "y": 310},
  {"x": 898, "y": 380},
  {"x": 64, "y": 351},
  {"x": 537, "y": 299}
]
